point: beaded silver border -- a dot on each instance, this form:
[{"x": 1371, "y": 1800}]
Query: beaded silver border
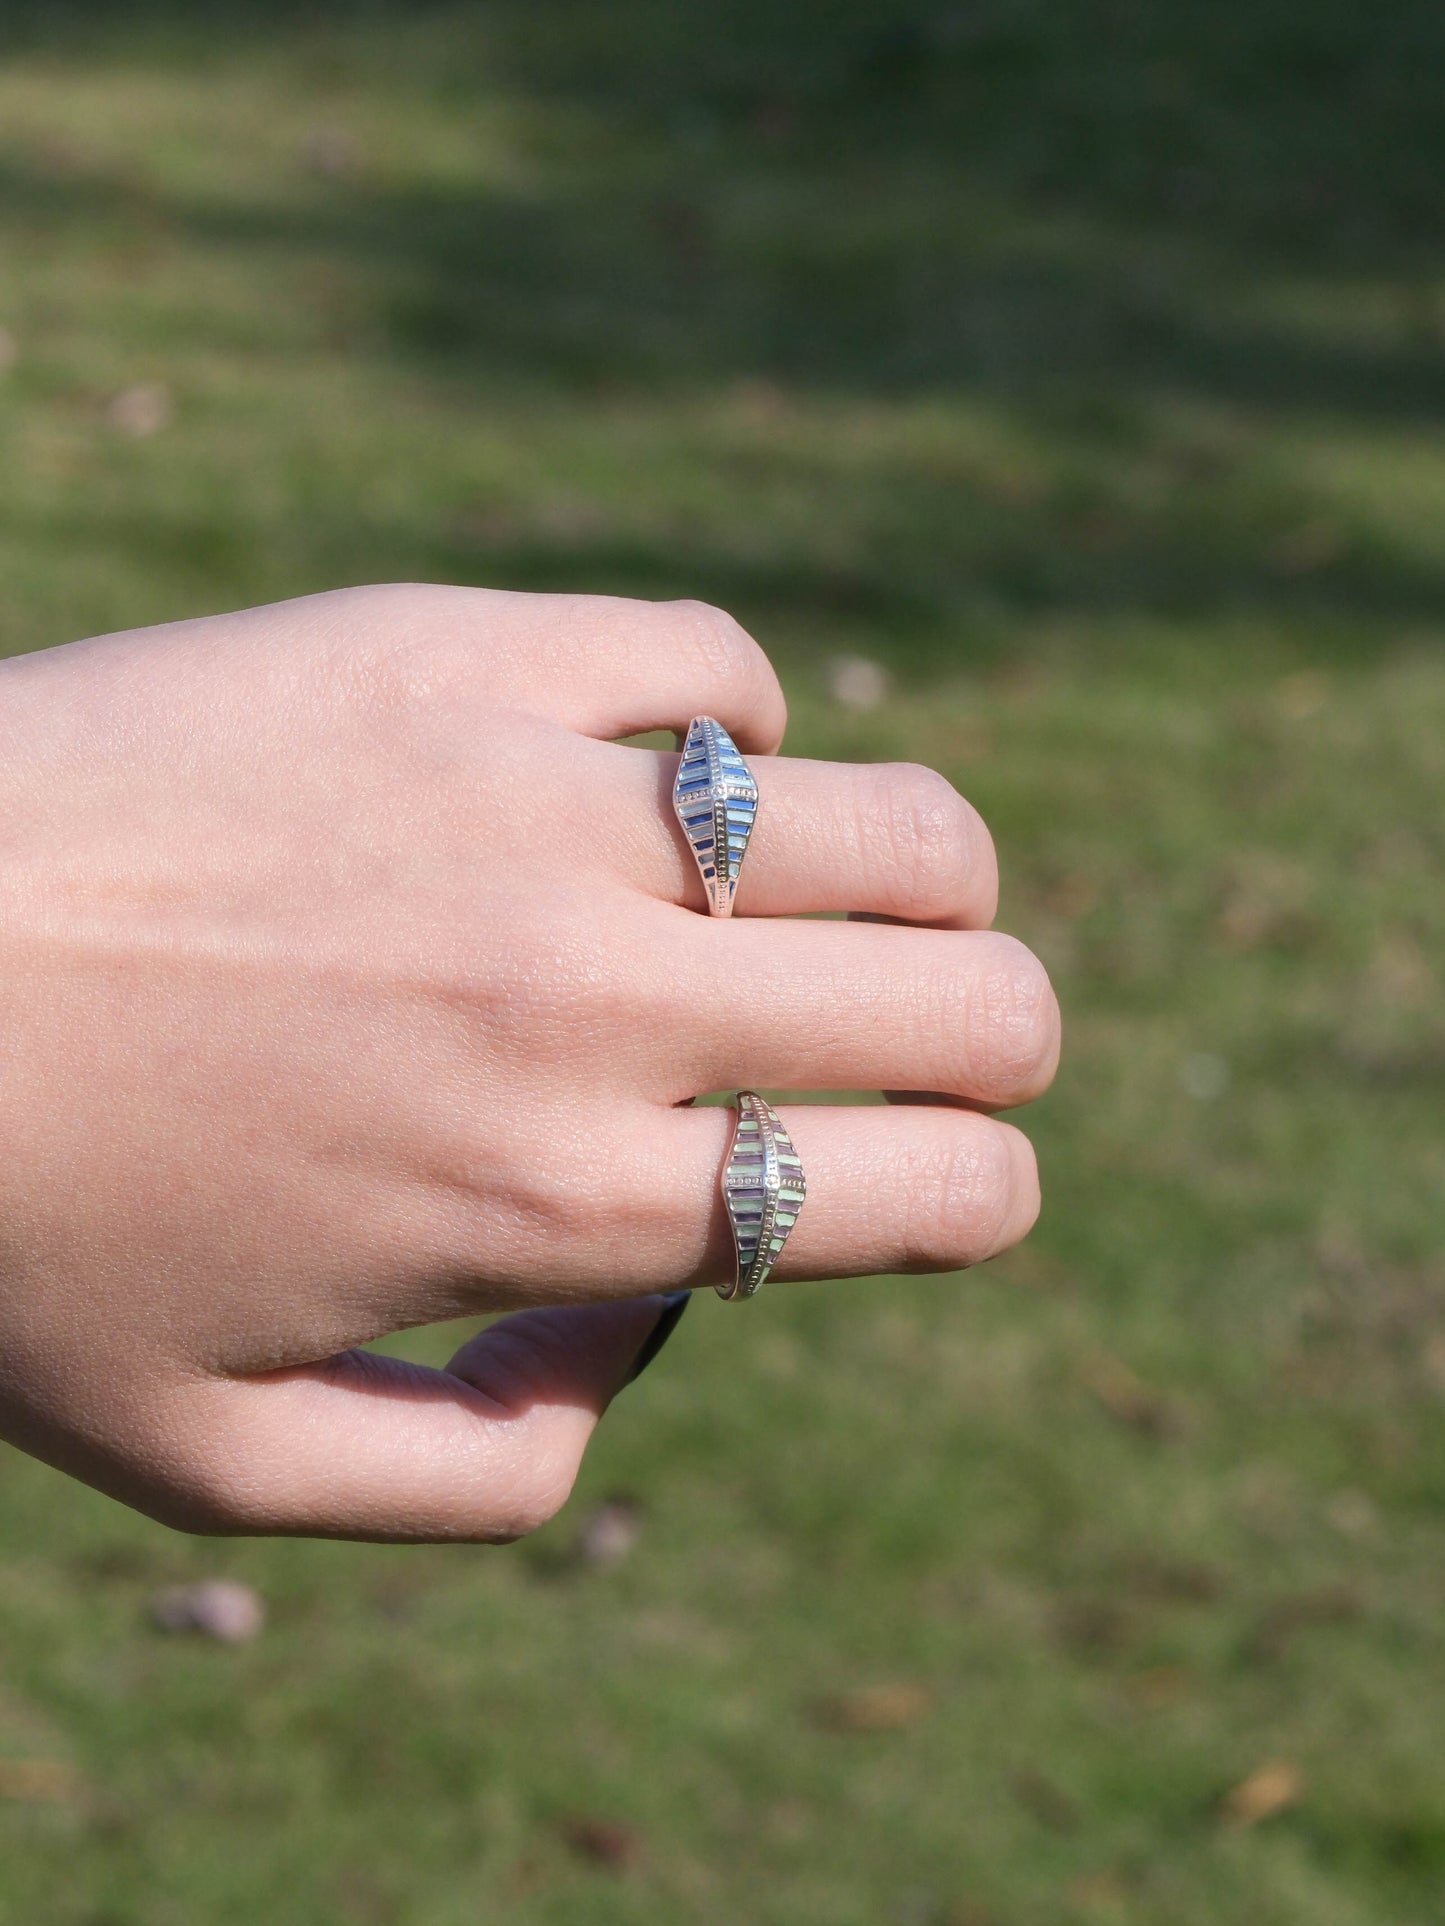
[
  {"x": 715, "y": 798},
  {"x": 762, "y": 1165}
]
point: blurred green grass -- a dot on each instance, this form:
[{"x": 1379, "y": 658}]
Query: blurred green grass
[{"x": 1082, "y": 368}]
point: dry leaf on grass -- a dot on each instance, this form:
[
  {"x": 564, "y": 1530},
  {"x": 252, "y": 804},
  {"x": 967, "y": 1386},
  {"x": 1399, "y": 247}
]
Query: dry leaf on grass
[
  {"x": 1127, "y": 1398},
  {"x": 39, "y": 1781},
  {"x": 1096, "y": 1624},
  {"x": 1102, "y": 1888},
  {"x": 877, "y": 1708},
  {"x": 1048, "y": 1803},
  {"x": 1158, "y": 1687},
  {"x": 1270, "y": 1790},
  {"x": 1071, "y": 896},
  {"x": 602, "y": 1842}
]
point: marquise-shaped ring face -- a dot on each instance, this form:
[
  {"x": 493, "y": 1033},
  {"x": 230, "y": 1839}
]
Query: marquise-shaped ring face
[
  {"x": 763, "y": 1188},
  {"x": 716, "y": 800}
]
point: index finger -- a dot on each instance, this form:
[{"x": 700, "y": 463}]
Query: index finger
[{"x": 610, "y": 666}]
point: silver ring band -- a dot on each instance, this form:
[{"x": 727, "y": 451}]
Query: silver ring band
[
  {"x": 763, "y": 1188},
  {"x": 716, "y": 800}
]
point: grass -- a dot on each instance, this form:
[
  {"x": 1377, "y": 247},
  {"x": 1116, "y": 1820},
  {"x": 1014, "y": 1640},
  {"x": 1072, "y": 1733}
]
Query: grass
[{"x": 1082, "y": 367}]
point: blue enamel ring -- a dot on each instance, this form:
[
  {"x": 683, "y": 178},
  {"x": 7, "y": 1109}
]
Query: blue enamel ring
[
  {"x": 716, "y": 799},
  {"x": 763, "y": 1188}
]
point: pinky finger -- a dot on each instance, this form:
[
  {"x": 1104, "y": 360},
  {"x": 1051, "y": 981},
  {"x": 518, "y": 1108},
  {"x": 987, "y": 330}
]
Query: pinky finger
[{"x": 889, "y": 1190}]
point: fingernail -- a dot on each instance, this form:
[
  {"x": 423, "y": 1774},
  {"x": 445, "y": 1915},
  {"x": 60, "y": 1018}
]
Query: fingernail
[{"x": 674, "y": 1304}]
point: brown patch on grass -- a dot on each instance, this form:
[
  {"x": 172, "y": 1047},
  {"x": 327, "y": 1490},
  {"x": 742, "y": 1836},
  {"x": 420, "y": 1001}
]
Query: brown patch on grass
[{"x": 1268, "y": 1791}]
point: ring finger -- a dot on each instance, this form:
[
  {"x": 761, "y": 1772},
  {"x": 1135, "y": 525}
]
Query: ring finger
[
  {"x": 888, "y": 1191},
  {"x": 893, "y": 838}
]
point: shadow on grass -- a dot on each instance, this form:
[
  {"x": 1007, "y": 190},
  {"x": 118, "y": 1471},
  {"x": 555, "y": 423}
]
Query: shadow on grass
[{"x": 1072, "y": 216}]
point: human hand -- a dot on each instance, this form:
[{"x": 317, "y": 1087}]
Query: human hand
[{"x": 352, "y": 978}]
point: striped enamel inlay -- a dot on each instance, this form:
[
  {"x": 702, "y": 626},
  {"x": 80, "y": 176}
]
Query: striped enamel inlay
[
  {"x": 716, "y": 801},
  {"x": 764, "y": 1190}
]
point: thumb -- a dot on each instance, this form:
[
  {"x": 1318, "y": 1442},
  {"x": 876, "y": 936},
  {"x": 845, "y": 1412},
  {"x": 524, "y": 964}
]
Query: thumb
[{"x": 363, "y": 1446}]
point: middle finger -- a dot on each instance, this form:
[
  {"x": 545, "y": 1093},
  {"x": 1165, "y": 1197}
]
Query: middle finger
[{"x": 864, "y": 1006}]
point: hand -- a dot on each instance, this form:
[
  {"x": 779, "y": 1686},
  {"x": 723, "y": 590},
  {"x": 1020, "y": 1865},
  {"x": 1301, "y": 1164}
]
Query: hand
[{"x": 352, "y": 978}]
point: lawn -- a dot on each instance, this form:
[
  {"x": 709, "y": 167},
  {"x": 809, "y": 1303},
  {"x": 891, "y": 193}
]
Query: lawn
[{"x": 1081, "y": 368}]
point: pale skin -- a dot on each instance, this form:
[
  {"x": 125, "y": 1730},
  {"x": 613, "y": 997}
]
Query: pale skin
[{"x": 355, "y": 977}]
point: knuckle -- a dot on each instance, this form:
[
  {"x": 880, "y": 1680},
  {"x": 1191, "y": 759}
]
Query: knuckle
[
  {"x": 433, "y": 606},
  {"x": 929, "y": 833},
  {"x": 181, "y": 1511},
  {"x": 729, "y": 655},
  {"x": 203, "y": 1502},
  {"x": 722, "y": 640},
  {"x": 553, "y": 1208},
  {"x": 399, "y": 612},
  {"x": 603, "y": 1221},
  {"x": 508, "y": 1197},
  {"x": 963, "y": 1200},
  {"x": 223, "y": 1475},
  {"x": 1012, "y": 1031},
  {"x": 386, "y": 647},
  {"x": 400, "y": 648},
  {"x": 404, "y": 598}
]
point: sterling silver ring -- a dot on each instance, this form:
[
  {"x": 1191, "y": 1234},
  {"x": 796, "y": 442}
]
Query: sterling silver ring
[
  {"x": 763, "y": 1188},
  {"x": 716, "y": 799}
]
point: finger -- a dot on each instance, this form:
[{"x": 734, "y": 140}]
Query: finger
[
  {"x": 860, "y": 1006},
  {"x": 893, "y": 838},
  {"x": 603, "y": 665},
  {"x": 609, "y": 667},
  {"x": 888, "y": 1190},
  {"x": 369, "y": 1447}
]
